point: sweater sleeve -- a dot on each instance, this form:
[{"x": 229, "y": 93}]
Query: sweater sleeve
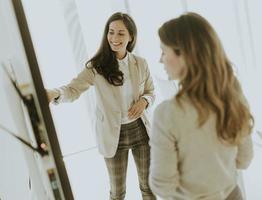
[
  {"x": 244, "y": 153},
  {"x": 164, "y": 175}
]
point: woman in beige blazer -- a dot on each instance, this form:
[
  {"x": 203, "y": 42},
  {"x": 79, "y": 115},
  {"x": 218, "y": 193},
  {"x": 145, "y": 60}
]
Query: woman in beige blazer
[
  {"x": 201, "y": 136},
  {"x": 124, "y": 90}
]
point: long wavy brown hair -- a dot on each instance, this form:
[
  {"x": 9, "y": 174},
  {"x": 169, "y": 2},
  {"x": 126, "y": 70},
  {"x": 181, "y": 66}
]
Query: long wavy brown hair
[
  {"x": 105, "y": 61},
  {"x": 209, "y": 81}
]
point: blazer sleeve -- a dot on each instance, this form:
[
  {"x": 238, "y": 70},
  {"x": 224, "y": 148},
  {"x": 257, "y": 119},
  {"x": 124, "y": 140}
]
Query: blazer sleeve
[
  {"x": 77, "y": 86},
  {"x": 149, "y": 88},
  {"x": 164, "y": 174}
]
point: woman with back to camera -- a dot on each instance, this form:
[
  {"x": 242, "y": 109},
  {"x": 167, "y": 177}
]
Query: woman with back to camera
[
  {"x": 124, "y": 89},
  {"x": 201, "y": 136}
]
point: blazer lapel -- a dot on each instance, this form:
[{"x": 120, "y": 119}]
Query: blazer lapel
[{"x": 133, "y": 70}]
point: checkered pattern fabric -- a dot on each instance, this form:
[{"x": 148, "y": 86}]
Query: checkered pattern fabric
[{"x": 132, "y": 136}]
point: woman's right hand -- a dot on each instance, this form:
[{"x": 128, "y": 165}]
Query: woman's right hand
[{"x": 52, "y": 95}]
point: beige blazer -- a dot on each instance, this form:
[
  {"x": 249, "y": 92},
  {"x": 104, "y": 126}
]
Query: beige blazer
[{"x": 109, "y": 100}]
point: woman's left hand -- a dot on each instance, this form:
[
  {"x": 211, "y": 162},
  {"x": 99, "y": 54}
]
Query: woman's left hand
[{"x": 137, "y": 109}]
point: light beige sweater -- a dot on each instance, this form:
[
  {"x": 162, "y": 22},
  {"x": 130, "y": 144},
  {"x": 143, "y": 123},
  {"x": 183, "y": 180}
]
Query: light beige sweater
[{"x": 188, "y": 162}]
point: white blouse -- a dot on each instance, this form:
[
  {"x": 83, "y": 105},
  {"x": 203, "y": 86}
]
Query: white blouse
[{"x": 126, "y": 90}]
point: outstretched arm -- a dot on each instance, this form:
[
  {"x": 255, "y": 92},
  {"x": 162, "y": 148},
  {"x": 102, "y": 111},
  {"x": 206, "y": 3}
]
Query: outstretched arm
[{"x": 74, "y": 89}]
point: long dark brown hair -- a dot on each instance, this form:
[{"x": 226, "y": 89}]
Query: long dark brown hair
[
  {"x": 209, "y": 81},
  {"x": 105, "y": 61}
]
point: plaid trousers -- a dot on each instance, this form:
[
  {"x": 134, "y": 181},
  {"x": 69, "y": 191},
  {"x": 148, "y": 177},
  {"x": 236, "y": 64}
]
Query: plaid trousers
[{"x": 132, "y": 136}]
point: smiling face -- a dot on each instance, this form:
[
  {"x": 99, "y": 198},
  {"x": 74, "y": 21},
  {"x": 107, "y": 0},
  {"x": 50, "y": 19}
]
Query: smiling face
[
  {"x": 118, "y": 38},
  {"x": 174, "y": 64}
]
